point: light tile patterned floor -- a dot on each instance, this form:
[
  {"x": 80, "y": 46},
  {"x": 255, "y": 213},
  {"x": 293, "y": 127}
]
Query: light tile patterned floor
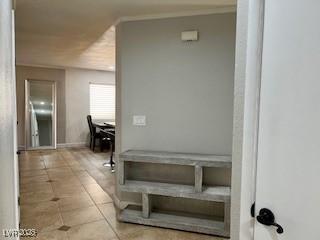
[{"x": 65, "y": 194}]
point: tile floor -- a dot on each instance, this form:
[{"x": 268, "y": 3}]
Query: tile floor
[{"x": 65, "y": 194}]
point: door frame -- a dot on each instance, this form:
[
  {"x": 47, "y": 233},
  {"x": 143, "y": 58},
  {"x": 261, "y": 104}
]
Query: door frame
[
  {"x": 248, "y": 64},
  {"x": 27, "y": 117},
  {"x": 9, "y": 179}
]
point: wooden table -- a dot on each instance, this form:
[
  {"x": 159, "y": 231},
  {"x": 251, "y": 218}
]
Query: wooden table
[
  {"x": 110, "y": 124},
  {"x": 104, "y": 125}
]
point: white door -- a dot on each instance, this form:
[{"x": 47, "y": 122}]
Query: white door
[{"x": 288, "y": 174}]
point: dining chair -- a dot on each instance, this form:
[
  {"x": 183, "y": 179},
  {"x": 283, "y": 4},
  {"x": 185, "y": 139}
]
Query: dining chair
[{"x": 94, "y": 135}]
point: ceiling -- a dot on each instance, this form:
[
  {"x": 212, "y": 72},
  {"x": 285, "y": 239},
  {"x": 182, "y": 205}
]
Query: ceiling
[{"x": 79, "y": 33}]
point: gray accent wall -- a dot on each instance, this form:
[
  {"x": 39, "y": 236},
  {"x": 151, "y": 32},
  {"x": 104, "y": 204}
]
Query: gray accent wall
[{"x": 185, "y": 89}]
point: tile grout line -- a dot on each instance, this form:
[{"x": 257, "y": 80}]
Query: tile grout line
[
  {"x": 46, "y": 169},
  {"x": 60, "y": 211},
  {"x": 54, "y": 193},
  {"x": 113, "y": 230},
  {"x": 118, "y": 236},
  {"x": 96, "y": 168},
  {"x": 96, "y": 205}
]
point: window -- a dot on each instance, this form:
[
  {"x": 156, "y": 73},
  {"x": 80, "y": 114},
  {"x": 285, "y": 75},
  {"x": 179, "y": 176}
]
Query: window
[{"x": 102, "y": 101}]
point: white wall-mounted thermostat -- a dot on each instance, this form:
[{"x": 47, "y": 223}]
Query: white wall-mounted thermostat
[
  {"x": 139, "y": 120},
  {"x": 187, "y": 36}
]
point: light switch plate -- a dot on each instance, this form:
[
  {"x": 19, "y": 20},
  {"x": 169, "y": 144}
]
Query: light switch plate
[{"x": 139, "y": 120}]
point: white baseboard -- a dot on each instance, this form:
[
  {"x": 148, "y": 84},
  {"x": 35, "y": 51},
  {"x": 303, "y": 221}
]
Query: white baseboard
[
  {"x": 59, "y": 145},
  {"x": 71, "y": 145}
]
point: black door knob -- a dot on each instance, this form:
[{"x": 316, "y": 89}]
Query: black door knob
[{"x": 266, "y": 217}]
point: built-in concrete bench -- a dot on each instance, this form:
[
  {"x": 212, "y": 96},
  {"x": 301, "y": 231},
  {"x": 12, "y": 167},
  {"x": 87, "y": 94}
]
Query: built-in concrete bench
[{"x": 197, "y": 191}]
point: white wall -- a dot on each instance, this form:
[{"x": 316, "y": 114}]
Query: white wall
[
  {"x": 8, "y": 170},
  {"x": 57, "y": 75},
  {"x": 72, "y": 99},
  {"x": 77, "y": 101}
]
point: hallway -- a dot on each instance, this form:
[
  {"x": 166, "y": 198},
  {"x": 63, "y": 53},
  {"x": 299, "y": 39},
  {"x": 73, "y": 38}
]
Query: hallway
[{"x": 66, "y": 194}]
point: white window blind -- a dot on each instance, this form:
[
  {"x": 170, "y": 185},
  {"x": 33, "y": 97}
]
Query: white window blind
[{"x": 102, "y": 101}]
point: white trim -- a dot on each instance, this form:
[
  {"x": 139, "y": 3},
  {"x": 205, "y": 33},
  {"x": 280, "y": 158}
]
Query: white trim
[
  {"x": 217, "y": 10},
  {"x": 59, "y": 145},
  {"x": 71, "y": 145},
  {"x": 118, "y": 77},
  {"x": 15, "y": 132},
  {"x": 249, "y": 43},
  {"x": 39, "y": 66},
  {"x": 61, "y": 67},
  {"x": 55, "y": 120},
  {"x": 41, "y": 148},
  {"x": 27, "y": 117},
  {"x": 109, "y": 84}
]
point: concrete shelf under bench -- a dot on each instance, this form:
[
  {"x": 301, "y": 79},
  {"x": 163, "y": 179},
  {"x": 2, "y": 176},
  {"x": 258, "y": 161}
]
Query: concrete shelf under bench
[
  {"x": 191, "y": 224},
  {"x": 198, "y": 191},
  {"x": 218, "y": 194}
]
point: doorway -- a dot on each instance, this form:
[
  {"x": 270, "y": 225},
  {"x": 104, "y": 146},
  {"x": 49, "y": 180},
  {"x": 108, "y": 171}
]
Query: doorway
[{"x": 40, "y": 110}]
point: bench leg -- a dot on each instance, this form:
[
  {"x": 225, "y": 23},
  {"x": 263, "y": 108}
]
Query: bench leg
[
  {"x": 198, "y": 175},
  {"x": 146, "y": 205}
]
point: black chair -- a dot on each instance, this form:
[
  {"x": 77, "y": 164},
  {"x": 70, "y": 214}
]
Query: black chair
[{"x": 94, "y": 135}]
